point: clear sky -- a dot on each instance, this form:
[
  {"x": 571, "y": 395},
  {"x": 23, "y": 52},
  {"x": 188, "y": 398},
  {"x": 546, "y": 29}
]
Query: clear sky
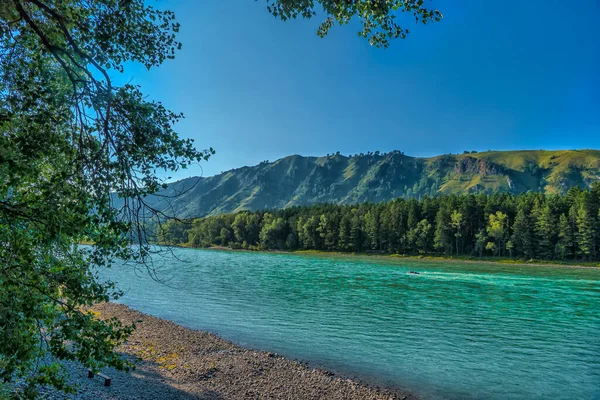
[{"x": 491, "y": 75}]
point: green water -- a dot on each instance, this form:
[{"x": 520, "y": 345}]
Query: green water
[{"x": 452, "y": 331}]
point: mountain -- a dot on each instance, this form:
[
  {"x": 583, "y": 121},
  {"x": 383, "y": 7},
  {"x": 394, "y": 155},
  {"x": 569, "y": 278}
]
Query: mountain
[{"x": 374, "y": 177}]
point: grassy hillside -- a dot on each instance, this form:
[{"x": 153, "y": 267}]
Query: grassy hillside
[{"x": 374, "y": 177}]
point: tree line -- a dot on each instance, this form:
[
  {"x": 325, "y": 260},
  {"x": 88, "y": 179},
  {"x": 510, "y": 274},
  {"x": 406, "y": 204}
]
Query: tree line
[{"x": 526, "y": 226}]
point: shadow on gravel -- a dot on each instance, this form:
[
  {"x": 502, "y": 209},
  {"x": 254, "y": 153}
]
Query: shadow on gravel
[{"x": 147, "y": 381}]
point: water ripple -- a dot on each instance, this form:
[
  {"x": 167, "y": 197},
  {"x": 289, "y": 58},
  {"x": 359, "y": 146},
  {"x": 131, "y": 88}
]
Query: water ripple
[{"x": 454, "y": 331}]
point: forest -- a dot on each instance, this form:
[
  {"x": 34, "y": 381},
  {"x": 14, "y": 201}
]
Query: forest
[{"x": 525, "y": 226}]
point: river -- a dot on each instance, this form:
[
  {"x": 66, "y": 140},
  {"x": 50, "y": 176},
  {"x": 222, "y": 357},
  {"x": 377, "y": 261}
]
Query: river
[{"x": 451, "y": 331}]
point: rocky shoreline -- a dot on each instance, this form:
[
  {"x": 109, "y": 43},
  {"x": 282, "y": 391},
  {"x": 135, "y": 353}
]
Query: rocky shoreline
[{"x": 174, "y": 362}]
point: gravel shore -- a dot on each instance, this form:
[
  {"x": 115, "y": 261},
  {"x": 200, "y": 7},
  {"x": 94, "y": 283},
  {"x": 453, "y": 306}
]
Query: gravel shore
[{"x": 173, "y": 362}]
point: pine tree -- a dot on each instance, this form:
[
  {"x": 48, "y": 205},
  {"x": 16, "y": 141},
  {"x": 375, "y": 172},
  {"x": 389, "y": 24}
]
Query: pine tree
[
  {"x": 523, "y": 235},
  {"x": 443, "y": 237},
  {"x": 344, "y": 242},
  {"x": 413, "y": 214},
  {"x": 572, "y": 217},
  {"x": 565, "y": 237},
  {"x": 399, "y": 220},
  {"x": 356, "y": 233},
  {"x": 545, "y": 232},
  {"x": 372, "y": 229},
  {"x": 586, "y": 228}
]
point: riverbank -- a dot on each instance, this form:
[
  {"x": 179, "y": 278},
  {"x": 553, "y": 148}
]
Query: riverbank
[
  {"x": 174, "y": 362},
  {"x": 422, "y": 258}
]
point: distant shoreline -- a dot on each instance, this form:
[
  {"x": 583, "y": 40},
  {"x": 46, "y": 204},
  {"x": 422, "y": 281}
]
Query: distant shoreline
[
  {"x": 387, "y": 256},
  {"x": 426, "y": 258}
]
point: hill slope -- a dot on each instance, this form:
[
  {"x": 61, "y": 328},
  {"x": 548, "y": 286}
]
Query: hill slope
[{"x": 297, "y": 180}]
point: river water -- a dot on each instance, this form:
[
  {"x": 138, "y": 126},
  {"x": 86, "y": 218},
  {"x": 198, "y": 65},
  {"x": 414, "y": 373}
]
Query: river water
[{"x": 451, "y": 331}]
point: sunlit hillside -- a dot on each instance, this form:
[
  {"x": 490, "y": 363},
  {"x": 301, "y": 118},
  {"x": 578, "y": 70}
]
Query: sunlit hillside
[{"x": 374, "y": 177}]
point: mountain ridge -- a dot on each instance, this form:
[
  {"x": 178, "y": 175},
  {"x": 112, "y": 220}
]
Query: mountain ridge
[{"x": 298, "y": 180}]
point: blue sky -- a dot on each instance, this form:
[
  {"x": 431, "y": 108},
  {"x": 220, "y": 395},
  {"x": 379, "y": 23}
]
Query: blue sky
[{"x": 491, "y": 75}]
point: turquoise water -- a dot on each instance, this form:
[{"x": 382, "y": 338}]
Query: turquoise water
[{"x": 452, "y": 331}]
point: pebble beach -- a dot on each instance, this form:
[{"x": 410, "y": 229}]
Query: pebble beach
[{"x": 174, "y": 362}]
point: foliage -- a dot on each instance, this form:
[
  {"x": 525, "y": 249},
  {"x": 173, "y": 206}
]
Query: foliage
[
  {"x": 70, "y": 143},
  {"x": 457, "y": 222},
  {"x": 378, "y": 18},
  {"x": 496, "y": 230},
  {"x": 520, "y": 226}
]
